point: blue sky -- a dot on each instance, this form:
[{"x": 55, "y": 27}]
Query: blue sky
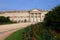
[{"x": 27, "y": 4}]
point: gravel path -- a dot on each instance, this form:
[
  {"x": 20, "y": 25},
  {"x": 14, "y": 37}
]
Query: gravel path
[{"x": 6, "y": 30}]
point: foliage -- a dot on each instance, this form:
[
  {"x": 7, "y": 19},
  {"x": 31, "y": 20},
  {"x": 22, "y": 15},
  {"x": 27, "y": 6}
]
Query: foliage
[
  {"x": 37, "y": 31},
  {"x": 4, "y": 20},
  {"x": 52, "y": 19}
]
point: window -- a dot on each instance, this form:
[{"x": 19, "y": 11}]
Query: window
[
  {"x": 35, "y": 13},
  {"x": 31, "y": 16},
  {"x": 35, "y": 16},
  {"x": 43, "y": 16},
  {"x": 39, "y": 16},
  {"x": 39, "y": 13},
  {"x": 21, "y": 16},
  {"x": 31, "y": 13}
]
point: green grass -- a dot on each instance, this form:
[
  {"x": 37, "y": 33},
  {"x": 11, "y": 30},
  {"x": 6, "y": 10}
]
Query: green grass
[
  {"x": 16, "y": 35},
  {"x": 39, "y": 31}
]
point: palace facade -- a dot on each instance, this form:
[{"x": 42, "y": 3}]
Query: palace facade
[{"x": 34, "y": 15}]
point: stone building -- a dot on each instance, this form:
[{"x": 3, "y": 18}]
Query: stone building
[{"x": 34, "y": 15}]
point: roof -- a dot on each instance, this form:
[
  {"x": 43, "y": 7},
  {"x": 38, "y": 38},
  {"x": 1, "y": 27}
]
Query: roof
[{"x": 15, "y": 11}]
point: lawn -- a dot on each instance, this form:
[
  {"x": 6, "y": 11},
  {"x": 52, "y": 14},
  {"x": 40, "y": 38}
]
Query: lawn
[{"x": 16, "y": 35}]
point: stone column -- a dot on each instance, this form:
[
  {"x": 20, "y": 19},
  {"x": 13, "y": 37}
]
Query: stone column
[
  {"x": 40, "y": 17},
  {"x": 29, "y": 17},
  {"x": 37, "y": 17},
  {"x": 33, "y": 17}
]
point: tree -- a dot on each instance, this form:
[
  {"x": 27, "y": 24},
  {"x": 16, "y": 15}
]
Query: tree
[
  {"x": 52, "y": 19},
  {"x": 4, "y": 20}
]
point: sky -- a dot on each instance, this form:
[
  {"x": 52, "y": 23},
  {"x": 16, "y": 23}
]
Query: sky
[{"x": 28, "y": 4}]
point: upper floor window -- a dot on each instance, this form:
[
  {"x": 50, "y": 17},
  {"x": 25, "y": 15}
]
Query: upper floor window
[
  {"x": 35, "y": 16},
  {"x": 39, "y": 13},
  {"x": 35, "y": 13},
  {"x": 31, "y": 16},
  {"x": 39, "y": 16}
]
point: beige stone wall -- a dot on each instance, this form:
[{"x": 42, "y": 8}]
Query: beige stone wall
[{"x": 34, "y": 15}]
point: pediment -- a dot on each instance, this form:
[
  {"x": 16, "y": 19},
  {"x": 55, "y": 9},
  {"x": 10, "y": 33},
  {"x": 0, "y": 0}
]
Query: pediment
[{"x": 35, "y": 10}]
